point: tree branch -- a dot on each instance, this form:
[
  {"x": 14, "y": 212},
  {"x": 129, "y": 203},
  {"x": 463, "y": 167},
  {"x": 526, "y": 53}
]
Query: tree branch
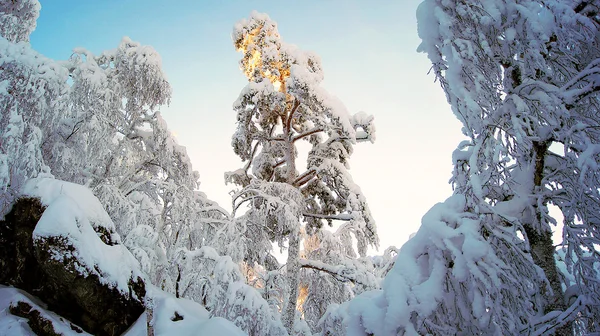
[
  {"x": 277, "y": 164},
  {"x": 75, "y": 129},
  {"x": 288, "y": 121},
  {"x": 340, "y": 272},
  {"x": 307, "y": 133},
  {"x": 342, "y": 217},
  {"x": 254, "y": 149},
  {"x": 251, "y": 157},
  {"x": 305, "y": 177},
  {"x": 236, "y": 206}
]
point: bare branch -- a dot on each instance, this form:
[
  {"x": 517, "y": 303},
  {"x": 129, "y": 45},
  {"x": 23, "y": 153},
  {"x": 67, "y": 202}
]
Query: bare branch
[
  {"x": 305, "y": 177},
  {"x": 288, "y": 121}
]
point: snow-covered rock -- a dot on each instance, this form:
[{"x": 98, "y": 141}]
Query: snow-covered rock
[
  {"x": 34, "y": 319},
  {"x": 58, "y": 244},
  {"x": 75, "y": 218},
  {"x": 172, "y": 316}
]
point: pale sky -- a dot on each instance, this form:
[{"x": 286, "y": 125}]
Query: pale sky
[{"x": 368, "y": 51}]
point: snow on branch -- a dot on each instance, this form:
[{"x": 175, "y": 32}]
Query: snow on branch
[
  {"x": 308, "y": 133},
  {"x": 583, "y": 84},
  {"x": 548, "y": 323},
  {"x": 340, "y": 272},
  {"x": 342, "y": 217}
]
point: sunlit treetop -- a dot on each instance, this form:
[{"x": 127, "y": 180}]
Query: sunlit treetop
[{"x": 260, "y": 42}]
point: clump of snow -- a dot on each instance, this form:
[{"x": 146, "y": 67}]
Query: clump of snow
[
  {"x": 365, "y": 126},
  {"x": 17, "y": 326},
  {"x": 195, "y": 319},
  {"x": 510, "y": 34},
  {"x": 48, "y": 190},
  {"x": 73, "y": 212}
]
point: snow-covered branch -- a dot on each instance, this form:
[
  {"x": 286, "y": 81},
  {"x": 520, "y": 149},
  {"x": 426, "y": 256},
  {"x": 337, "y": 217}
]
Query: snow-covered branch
[
  {"x": 342, "y": 217},
  {"x": 310, "y": 132},
  {"x": 340, "y": 272}
]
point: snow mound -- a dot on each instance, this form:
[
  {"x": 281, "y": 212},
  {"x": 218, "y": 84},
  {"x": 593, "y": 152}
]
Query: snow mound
[
  {"x": 49, "y": 189},
  {"x": 182, "y": 317}
]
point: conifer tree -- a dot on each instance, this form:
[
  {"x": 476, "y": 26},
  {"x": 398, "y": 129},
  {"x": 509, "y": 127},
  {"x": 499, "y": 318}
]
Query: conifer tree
[{"x": 282, "y": 106}]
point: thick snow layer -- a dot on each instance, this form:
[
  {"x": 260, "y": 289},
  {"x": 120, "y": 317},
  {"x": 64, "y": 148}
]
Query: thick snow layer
[
  {"x": 195, "y": 320},
  {"x": 17, "y": 326},
  {"x": 416, "y": 283},
  {"x": 48, "y": 190},
  {"x": 73, "y": 212}
]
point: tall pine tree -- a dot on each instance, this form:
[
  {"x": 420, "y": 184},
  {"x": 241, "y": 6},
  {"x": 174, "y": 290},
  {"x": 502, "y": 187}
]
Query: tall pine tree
[{"x": 282, "y": 106}]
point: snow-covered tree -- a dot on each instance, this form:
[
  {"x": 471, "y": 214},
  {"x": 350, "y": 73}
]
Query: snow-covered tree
[
  {"x": 102, "y": 129},
  {"x": 108, "y": 141},
  {"x": 282, "y": 106},
  {"x": 216, "y": 282},
  {"x": 330, "y": 275},
  {"x": 32, "y": 100},
  {"x": 94, "y": 120},
  {"x": 525, "y": 85},
  {"x": 114, "y": 98},
  {"x": 18, "y": 19},
  {"x": 521, "y": 77},
  {"x": 115, "y": 141}
]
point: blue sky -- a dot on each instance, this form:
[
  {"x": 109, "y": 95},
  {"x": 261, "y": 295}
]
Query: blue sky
[{"x": 368, "y": 51}]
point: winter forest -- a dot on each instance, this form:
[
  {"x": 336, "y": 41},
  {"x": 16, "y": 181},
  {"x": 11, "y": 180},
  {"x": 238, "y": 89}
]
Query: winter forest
[{"x": 105, "y": 228}]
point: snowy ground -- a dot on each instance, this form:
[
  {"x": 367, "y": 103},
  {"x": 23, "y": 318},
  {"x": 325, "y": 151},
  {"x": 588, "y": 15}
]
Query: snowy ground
[
  {"x": 17, "y": 326},
  {"x": 195, "y": 320}
]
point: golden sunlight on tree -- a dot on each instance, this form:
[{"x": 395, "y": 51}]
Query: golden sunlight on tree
[
  {"x": 251, "y": 275},
  {"x": 268, "y": 66},
  {"x": 311, "y": 243},
  {"x": 302, "y": 295}
]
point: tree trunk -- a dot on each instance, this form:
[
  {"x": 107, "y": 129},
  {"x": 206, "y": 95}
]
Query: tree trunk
[
  {"x": 540, "y": 241},
  {"x": 293, "y": 272},
  {"x": 149, "y": 316},
  {"x": 177, "y": 281},
  {"x": 293, "y": 262},
  {"x": 542, "y": 251}
]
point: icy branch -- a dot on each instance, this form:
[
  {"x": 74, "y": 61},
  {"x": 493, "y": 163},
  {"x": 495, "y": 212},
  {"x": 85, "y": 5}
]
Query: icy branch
[
  {"x": 249, "y": 163},
  {"x": 288, "y": 122},
  {"x": 584, "y": 83}
]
